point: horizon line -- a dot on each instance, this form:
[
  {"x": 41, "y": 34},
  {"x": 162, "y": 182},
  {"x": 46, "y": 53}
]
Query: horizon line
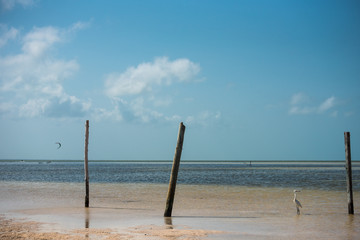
[{"x": 152, "y": 160}]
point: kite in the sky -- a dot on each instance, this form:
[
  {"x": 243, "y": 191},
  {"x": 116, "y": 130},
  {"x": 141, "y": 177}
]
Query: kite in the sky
[{"x": 58, "y": 144}]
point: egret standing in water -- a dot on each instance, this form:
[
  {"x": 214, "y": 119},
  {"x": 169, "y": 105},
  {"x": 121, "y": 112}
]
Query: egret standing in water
[{"x": 297, "y": 203}]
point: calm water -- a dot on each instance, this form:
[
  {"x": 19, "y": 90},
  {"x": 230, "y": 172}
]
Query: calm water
[
  {"x": 247, "y": 202},
  {"x": 324, "y": 176}
]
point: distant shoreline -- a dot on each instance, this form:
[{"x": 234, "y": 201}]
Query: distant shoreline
[{"x": 255, "y": 162}]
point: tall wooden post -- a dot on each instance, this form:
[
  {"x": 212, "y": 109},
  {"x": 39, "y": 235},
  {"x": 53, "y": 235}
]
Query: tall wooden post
[
  {"x": 86, "y": 164},
  {"x": 348, "y": 173},
  {"x": 174, "y": 172}
]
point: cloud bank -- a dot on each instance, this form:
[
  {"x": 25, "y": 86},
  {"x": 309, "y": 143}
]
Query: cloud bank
[
  {"x": 31, "y": 81},
  {"x": 140, "y": 92}
]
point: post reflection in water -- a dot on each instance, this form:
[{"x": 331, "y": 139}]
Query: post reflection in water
[
  {"x": 168, "y": 222},
  {"x": 351, "y": 233},
  {"x": 87, "y": 218},
  {"x": 87, "y": 222}
]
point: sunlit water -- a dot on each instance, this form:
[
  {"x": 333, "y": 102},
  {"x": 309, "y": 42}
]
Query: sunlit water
[{"x": 248, "y": 202}]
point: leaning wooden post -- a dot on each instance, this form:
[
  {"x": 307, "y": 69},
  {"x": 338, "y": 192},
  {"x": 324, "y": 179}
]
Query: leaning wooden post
[
  {"x": 348, "y": 173},
  {"x": 174, "y": 172},
  {"x": 86, "y": 163}
]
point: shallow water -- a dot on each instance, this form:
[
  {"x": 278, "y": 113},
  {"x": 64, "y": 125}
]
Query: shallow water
[
  {"x": 242, "y": 212},
  {"x": 246, "y": 202}
]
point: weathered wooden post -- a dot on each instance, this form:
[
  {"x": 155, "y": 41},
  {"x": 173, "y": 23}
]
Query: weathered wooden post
[
  {"x": 86, "y": 164},
  {"x": 348, "y": 173},
  {"x": 174, "y": 172}
]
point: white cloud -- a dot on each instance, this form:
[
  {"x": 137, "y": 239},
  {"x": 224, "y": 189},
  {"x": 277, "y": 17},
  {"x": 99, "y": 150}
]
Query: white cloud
[
  {"x": 327, "y": 104},
  {"x": 301, "y": 110},
  {"x": 79, "y": 26},
  {"x": 7, "y": 34},
  {"x": 299, "y": 98},
  {"x": 300, "y": 104},
  {"x": 160, "y": 101},
  {"x": 139, "y": 109},
  {"x": 33, "y": 78},
  {"x": 204, "y": 118},
  {"x": 101, "y": 113},
  {"x": 69, "y": 106},
  {"x": 34, "y": 107},
  {"x": 138, "y": 92},
  {"x": 26, "y": 73},
  {"x": 297, "y": 105},
  {"x": 10, "y": 4},
  {"x": 145, "y": 76},
  {"x": 39, "y": 40}
]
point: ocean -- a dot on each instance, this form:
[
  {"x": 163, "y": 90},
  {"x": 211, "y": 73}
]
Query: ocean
[
  {"x": 311, "y": 175},
  {"x": 242, "y": 199}
]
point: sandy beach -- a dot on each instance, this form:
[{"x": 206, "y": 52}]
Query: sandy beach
[
  {"x": 11, "y": 229},
  {"x": 135, "y": 211}
]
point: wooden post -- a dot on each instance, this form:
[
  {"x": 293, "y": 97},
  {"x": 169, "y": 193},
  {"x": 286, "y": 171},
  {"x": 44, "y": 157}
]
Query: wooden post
[
  {"x": 174, "y": 172},
  {"x": 348, "y": 173},
  {"x": 86, "y": 164}
]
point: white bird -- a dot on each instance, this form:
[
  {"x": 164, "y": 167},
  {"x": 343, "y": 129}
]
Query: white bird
[{"x": 297, "y": 203}]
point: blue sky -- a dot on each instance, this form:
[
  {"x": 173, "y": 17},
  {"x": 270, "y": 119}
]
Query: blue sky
[{"x": 251, "y": 80}]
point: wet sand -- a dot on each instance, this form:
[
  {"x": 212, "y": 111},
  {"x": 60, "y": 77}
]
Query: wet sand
[{"x": 134, "y": 211}]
